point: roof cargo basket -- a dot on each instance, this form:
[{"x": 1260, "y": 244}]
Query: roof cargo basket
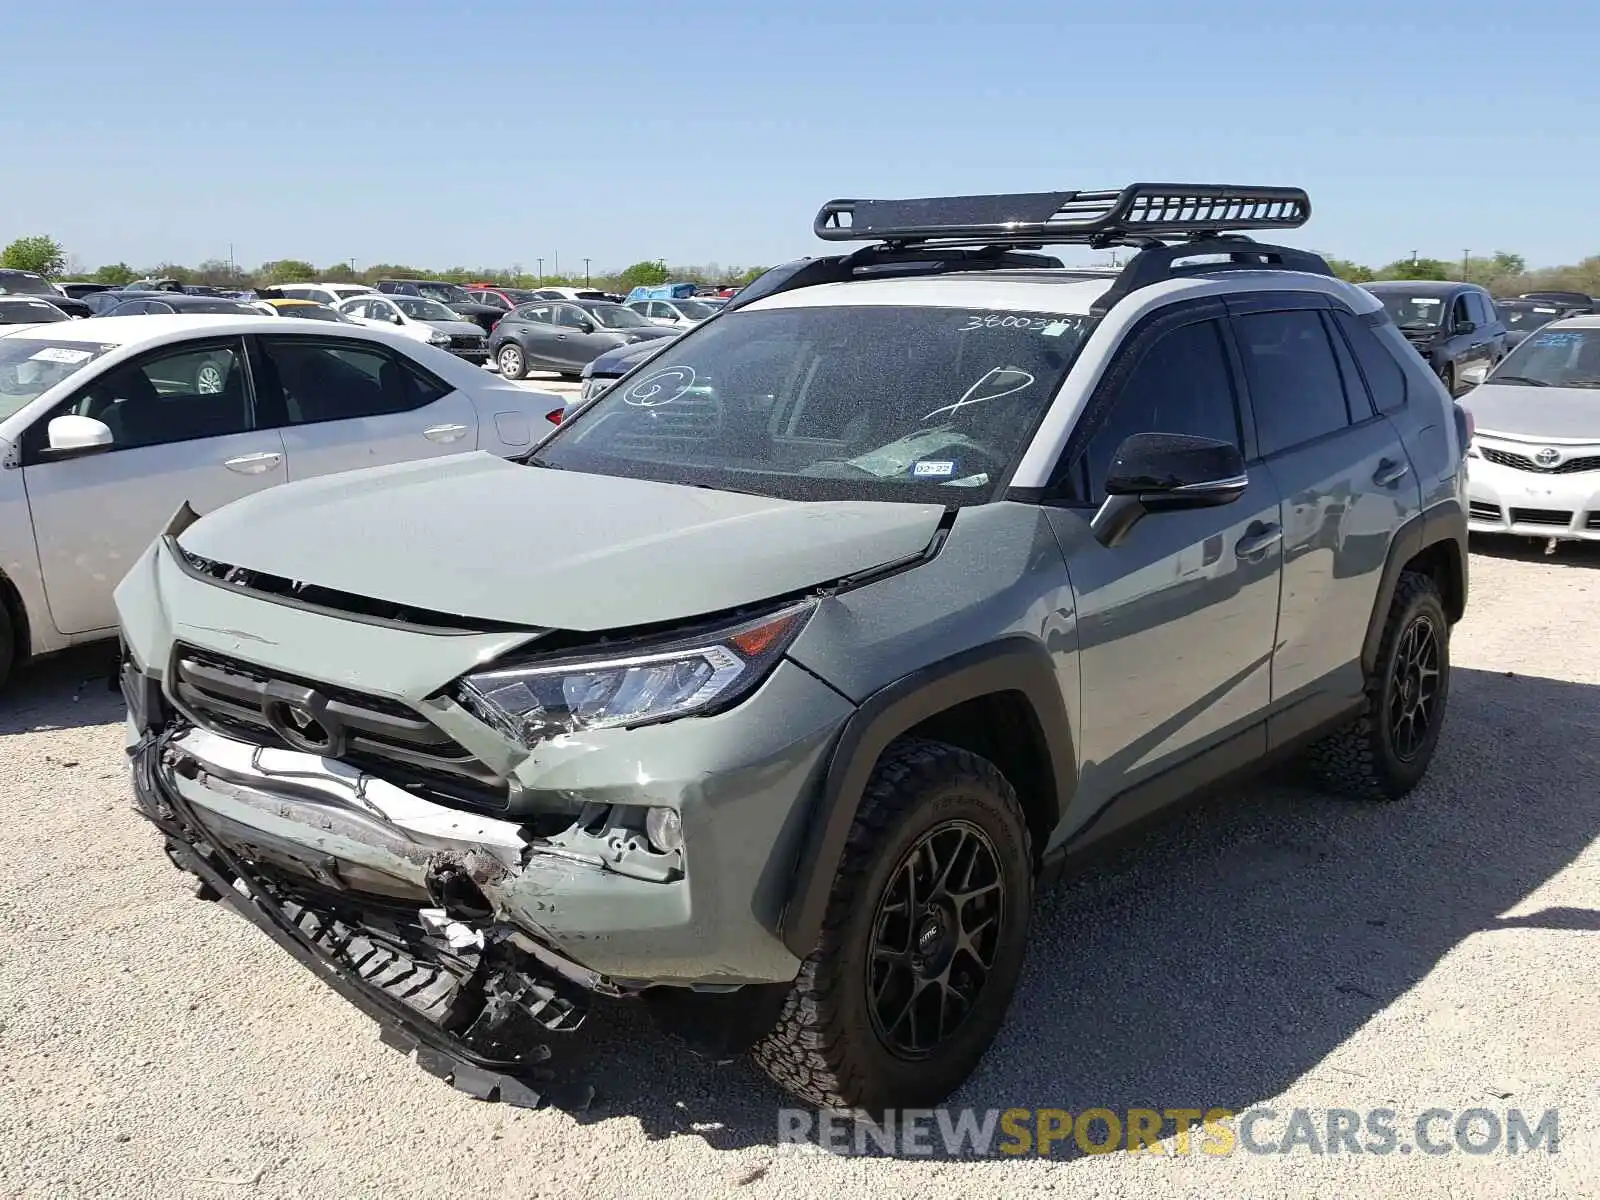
[
  {"x": 1139, "y": 213},
  {"x": 1174, "y": 226}
]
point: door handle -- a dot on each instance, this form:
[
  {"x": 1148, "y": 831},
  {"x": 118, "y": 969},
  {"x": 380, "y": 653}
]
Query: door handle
[
  {"x": 1258, "y": 537},
  {"x": 1390, "y": 472},
  {"x": 254, "y": 464},
  {"x": 445, "y": 433}
]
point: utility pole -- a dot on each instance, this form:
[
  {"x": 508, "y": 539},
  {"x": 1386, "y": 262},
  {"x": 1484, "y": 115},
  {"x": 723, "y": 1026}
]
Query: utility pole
[
  {"x": 1413, "y": 258},
  {"x": 540, "y": 261},
  {"x": 586, "y": 272},
  {"x": 233, "y": 271},
  {"x": 1466, "y": 264},
  {"x": 555, "y": 263}
]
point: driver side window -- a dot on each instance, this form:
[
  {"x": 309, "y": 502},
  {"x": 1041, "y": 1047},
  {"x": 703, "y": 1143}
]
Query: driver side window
[
  {"x": 171, "y": 396},
  {"x": 1180, "y": 383}
]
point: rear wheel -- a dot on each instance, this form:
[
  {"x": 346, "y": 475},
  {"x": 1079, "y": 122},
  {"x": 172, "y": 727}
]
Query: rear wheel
[
  {"x": 511, "y": 361},
  {"x": 1386, "y": 752},
  {"x": 922, "y": 942}
]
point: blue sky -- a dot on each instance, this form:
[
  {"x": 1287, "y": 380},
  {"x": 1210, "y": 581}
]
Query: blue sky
[{"x": 487, "y": 134}]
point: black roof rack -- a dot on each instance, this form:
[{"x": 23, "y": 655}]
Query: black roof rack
[
  {"x": 1138, "y": 213},
  {"x": 1172, "y": 224}
]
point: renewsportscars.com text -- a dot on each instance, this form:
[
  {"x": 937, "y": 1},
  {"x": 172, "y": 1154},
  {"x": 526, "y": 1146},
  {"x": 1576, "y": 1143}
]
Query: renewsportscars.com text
[{"x": 1177, "y": 1132}]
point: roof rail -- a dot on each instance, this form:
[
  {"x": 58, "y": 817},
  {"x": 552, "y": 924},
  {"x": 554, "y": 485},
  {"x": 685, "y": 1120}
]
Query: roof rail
[{"x": 1136, "y": 215}]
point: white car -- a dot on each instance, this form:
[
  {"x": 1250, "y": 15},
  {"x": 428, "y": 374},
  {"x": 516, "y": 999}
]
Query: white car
[
  {"x": 420, "y": 318},
  {"x": 1534, "y": 465},
  {"x": 109, "y": 426},
  {"x": 567, "y": 293},
  {"x": 323, "y": 293},
  {"x": 673, "y": 314}
]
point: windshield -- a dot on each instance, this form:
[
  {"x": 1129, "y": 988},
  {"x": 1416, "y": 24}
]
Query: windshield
[
  {"x": 1553, "y": 358},
  {"x": 614, "y": 316},
  {"x": 419, "y": 309},
  {"x": 25, "y": 283},
  {"x": 28, "y": 312},
  {"x": 1413, "y": 312},
  {"x": 694, "y": 310},
  {"x": 870, "y": 403},
  {"x": 446, "y": 291},
  {"x": 29, "y": 366},
  {"x": 1528, "y": 318}
]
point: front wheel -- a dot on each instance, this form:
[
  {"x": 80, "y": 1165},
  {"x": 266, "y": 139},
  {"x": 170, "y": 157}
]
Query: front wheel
[
  {"x": 511, "y": 362},
  {"x": 1386, "y": 752},
  {"x": 922, "y": 941},
  {"x": 8, "y": 645}
]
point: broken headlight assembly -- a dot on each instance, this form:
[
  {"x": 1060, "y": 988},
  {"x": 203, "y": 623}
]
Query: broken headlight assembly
[{"x": 637, "y": 685}]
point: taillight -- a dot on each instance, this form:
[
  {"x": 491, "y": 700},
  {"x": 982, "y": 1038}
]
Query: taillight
[{"x": 554, "y": 415}]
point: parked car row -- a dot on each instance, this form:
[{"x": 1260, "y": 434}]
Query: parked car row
[{"x": 116, "y": 423}]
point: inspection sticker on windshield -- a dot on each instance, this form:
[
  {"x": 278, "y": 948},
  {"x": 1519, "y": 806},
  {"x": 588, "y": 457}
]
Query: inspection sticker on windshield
[
  {"x": 1055, "y": 329},
  {"x": 933, "y": 468},
  {"x": 61, "y": 354}
]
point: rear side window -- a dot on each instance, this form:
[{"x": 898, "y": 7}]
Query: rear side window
[
  {"x": 1386, "y": 382},
  {"x": 337, "y": 381},
  {"x": 1295, "y": 388},
  {"x": 1181, "y": 384}
]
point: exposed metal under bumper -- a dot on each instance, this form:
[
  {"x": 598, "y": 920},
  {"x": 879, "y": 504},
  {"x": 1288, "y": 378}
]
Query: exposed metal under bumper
[{"x": 487, "y": 1032}]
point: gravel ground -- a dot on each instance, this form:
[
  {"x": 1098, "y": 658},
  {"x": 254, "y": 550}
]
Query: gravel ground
[{"x": 1277, "y": 947}]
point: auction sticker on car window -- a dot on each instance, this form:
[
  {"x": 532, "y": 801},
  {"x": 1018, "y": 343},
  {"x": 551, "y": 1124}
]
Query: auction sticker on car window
[
  {"x": 61, "y": 354},
  {"x": 1558, "y": 338},
  {"x": 930, "y": 468}
]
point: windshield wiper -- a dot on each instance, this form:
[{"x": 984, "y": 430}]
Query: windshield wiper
[{"x": 1518, "y": 379}]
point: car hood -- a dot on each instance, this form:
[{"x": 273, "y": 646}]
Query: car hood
[
  {"x": 1549, "y": 413},
  {"x": 458, "y": 328},
  {"x": 475, "y": 307},
  {"x": 480, "y": 537}
]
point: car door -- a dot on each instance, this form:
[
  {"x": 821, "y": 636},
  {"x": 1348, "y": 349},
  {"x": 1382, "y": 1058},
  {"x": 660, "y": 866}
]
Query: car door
[
  {"x": 579, "y": 337},
  {"x": 532, "y": 326},
  {"x": 184, "y": 428},
  {"x": 344, "y": 403},
  {"x": 1176, "y": 622},
  {"x": 1346, "y": 483}
]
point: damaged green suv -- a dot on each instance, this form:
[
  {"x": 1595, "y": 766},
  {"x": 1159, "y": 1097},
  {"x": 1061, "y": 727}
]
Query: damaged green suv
[{"x": 770, "y": 686}]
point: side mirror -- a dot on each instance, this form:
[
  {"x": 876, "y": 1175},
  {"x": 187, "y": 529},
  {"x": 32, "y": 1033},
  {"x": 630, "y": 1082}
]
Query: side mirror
[
  {"x": 396, "y": 319},
  {"x": 586, "y": 327},
  {"x": 1475, "y": 374},
  {"x": 1166, "y": 472},
  {"x": 73, "y": 437},
  {"x": 1466, "y": 327}
]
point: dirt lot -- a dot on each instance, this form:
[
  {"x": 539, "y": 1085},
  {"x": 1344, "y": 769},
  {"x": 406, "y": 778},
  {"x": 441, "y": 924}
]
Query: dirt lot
[{"x": 1275, "y": 948}]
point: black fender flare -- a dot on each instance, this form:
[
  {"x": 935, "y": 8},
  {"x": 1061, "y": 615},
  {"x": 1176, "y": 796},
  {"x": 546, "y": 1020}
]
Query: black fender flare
[
  {"x": 1013, "y": 664},
  {"x": 1444, "y": 522}
]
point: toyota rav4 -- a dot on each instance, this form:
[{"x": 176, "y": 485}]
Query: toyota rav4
[{"x": 770, "y": 687}]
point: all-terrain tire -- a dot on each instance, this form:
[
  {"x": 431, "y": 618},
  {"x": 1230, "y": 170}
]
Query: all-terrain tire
[
  {"x": 1362, "y": 759},
  {"x": 825, "y": 1048}
]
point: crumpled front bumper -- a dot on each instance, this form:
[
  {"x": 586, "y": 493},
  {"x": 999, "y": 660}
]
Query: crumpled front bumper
[{"x": 493, "y": 1046}]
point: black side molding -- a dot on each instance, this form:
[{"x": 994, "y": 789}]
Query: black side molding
[{"x": 1014, "y": 664}]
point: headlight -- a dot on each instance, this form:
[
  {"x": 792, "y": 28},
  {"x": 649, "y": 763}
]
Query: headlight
[
  {"x": 654, "y": 683},
  {"x": 438, "y": 338}
]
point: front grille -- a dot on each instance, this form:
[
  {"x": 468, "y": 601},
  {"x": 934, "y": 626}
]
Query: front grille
[
  {"x": 391, "y": 739},
  {"x": 1522, "y": 462},
  {"x": 1484, "y": 512},
  {"x": 1594, "y": 520},
  {"x": 1540, "y": 516},
  {"x": 466, "y": 341}
]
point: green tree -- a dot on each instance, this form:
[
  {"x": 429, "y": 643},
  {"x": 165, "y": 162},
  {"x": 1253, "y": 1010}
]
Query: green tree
[
  {"x": 1351, "y": 271},
  {"x": 1416, "y": 268},
  {"x": 38, "y": 253},
  {"x": 114, "y": 273},
  {"x": 214, "y": 272},
  {"x": 285, "y": 270},
  {"x": 650, "y": 273},
  {"x": 339, "y": 273}
]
